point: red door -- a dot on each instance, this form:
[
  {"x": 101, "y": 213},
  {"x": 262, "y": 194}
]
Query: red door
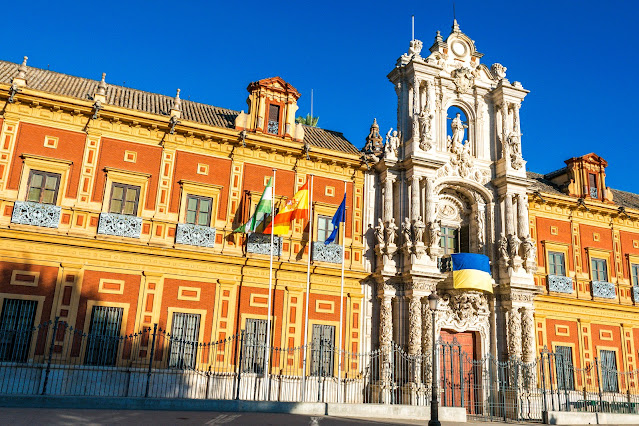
[{"x": 457, "y": 378}]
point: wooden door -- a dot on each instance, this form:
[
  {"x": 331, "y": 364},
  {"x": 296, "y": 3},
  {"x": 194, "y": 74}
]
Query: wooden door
[{"x": 457, "y": 373}]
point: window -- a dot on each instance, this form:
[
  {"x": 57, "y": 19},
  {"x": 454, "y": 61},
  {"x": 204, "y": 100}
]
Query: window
[
  {"x": 563, "y": 364},
  {"x": 273, "y": 126},
  {"x": 43, "y": 187},
  {"x": 104, "y": 335},
  {"x": 608, "y": 365},
  {"x": 556, "y": 265},
  {"x": 184, "y": 340},
  {"x": 322, "y": 349},
  {"x": 253, "y": 346},
  {"x": 592, "y": 183},
  {"x": 634, "y": 272},
  {"x": 16, "y": 326},
  {"x": 599, "y": 270},
  {"x": 324, "y": 228},
  {"x": 449, "y": 240},
  {"x": 198, "y": 210},
  {"x": 124, "y": 199}
]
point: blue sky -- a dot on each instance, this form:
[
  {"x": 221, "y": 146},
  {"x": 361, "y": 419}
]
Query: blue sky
[{"x": 578, "y": 59}]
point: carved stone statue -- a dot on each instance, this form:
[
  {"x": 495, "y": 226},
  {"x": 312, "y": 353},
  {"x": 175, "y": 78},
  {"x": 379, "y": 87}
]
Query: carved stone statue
[
  {"x": 481, "y": 227},
  {"x": 374, "y": 146},
  {"x": 407, "y": 232},
  {"x": 458, "y": 127},
  {"x": 514, "y": 148},
  {"x": 499, "y": 71},
  {"x": 513, "y": 245},
  {"x": 391, "y": 231},
  {"x": 435, "y": 233},
  {"x": 529, "y": 253},
  {"x": 418, "y": 229},
  {"x": 503, "y": 249},
  {"x": 392, "y": 143},
  {"x": 425, "y": 136},
  {"x": 379, "y": 232}
]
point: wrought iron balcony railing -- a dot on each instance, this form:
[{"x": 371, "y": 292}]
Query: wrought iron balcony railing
[
  {"x": 261, "y": 244},
  {"x": 331, "y": 253},
  {"x": 120, "y": 225},
  {"x": 560, "y": 284},
  {"x": 36, "y": 214},
  {"x": 195, "y": 235},
  {"x": 445, "y": 264},
  {"x": 603, "y": 289}
]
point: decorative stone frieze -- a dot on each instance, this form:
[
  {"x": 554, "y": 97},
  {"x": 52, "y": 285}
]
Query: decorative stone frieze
[
  {"x": 36, "y": 214},
  {"x": 560, "y": 284},
  {"x": 603, "y": 289},
  {"x": 331, "y": 253},
  {"x": 195, "y": 235},
  {"x": 261, "y": 244},
  {"x": 120, "y": 225}
]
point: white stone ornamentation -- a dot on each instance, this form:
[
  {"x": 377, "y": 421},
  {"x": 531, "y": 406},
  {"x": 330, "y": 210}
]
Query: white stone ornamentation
[{"x": 36, "y": 214}]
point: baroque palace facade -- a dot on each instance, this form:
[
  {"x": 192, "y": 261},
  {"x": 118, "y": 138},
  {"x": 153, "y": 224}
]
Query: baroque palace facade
[{"x": 117, "y": 207}]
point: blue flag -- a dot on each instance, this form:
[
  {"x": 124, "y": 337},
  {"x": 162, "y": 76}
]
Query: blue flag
[{"x": 340, "y": 217}]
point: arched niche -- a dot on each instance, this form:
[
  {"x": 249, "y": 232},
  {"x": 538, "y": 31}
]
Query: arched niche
[{"x": 467, "y": 116}]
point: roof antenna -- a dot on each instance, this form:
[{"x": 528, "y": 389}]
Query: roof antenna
[
  {"x": 311, "y": 105},
  {"x": 454, "y": 16},
  {"x": 413, "y": 18}
]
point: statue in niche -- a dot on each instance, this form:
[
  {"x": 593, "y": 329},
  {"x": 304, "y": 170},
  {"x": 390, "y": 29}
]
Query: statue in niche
[
  {"x": 392, "y": 143},
  {"x": 529, "y": 249},
  {"x": 479, "y": 218},
  {"x": 503, "y": 249},
  {"x": 391, "y": 231},
  {"x": 435, "y": 233},
  {"x": 425, "y": 119},
  {"x": 406, "y": 231},
  {"x": 379, "y": 232},
  {"x": 418, "y": 229},
  {"x": 458, "y": 127},
  {"x": 513, "y": 245}
]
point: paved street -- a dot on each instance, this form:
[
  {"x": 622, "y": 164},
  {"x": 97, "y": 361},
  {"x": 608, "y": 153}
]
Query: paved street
[{"x": 38, "y": 416}]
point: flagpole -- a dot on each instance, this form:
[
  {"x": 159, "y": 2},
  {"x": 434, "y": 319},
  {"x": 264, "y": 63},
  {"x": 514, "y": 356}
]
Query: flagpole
[
  {"x": 308, "y": 285},
  {"x": 341, "y": 299},
  {"x": 267, "y": 375}
]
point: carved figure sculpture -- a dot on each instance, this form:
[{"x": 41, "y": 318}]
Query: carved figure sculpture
[
  {"x": 435, "y": 233},
  {"x": 479, "y": 218},
  {"x": 458, "y": 127},
  {"x": 514, "y": 148},
  {"x": 425, "y": 136},
  {"x": 392, "y": 143},
  {"x": 418, "y": 230},
  {"x": 529, "y": 249},
  {"x": 513, "y": 246},
  {"x": 407, "y": 232},
  {"x": 391, "y": 231},
  {"x": 503, "y": 249},
  {"x": 379, "y": 232}
]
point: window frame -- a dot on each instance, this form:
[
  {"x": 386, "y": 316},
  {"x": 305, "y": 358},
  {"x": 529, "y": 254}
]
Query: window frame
[
  {"x": 254, "y": 352},
  {"x": 609, "y": 376},
  {"x": 126, "y": 177},
  {"x": 183, "y": 353},
  {"x": 322, "y": 355},
  {"x": 48, "y": 165},
  {"x": 280, "y": 108},
  {"x": 25, "y": 333},
  {"x": 598, "y": 260},
  {"x": 104, "y": 356},
  {"x": 445, "y": 237},
  {"x": 44, "y": 175},
  {"x": 199, "y": 199},
  {"x": 125, "y": 189},
  {"x": 328, "y": 220},
  {"x": 552, "y": 266},
  {"x": 197, "y": 189},
  {"x": 592, "y": 178},
  {"x": 634, "y": 274},
  {"x": 564, "y": 367}
]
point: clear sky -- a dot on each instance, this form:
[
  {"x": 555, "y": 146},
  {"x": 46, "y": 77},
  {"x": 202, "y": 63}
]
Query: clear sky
[{"x": 578, "y": 58}]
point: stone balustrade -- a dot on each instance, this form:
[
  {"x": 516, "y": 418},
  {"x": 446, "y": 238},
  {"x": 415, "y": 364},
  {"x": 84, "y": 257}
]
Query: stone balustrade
[
  {"x": 560, "y": 284},
  {"x": 120, "y": 225},
  {"x": 195, "y": 235},
  {"x": 261, "y": 244},
  {"x": 603, "y": 289},
  {"x": 331, "y": 253},
  {"x": 36, "y": 214}
]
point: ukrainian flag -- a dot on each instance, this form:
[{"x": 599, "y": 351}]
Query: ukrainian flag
[{"x": 472, "y": 272}]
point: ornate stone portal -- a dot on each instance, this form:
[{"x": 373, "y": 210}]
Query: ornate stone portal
[{"x": 449, "y": 182}]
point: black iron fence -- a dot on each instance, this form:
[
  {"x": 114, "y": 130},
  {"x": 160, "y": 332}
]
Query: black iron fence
[{"x": 57, "y": 359}]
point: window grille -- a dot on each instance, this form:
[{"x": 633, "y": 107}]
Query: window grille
[
  {"x": 16, "y": 326},
  {"x": 43, "y": 187},
  {"x": 563, "y": 364},
  {"x": 322, "y": 350},
  {"x": 556, "y": 263},
  {"x": 254, "y": 346},
  {"x": 104, "y": 335},
  {"x": 592, "y": 181},
  {"x": 273, "y": 119},
  {"x": 185, "y": 331},
  {"x": 608, "y": 361},
  {"x": 124, "y": 199}
]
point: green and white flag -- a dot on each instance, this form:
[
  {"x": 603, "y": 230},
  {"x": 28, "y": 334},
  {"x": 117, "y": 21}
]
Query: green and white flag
[{"x": 262, "y": 210}]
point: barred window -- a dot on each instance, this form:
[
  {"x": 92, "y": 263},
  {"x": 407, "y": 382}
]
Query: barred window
[
  {"x": 254, "y": 346},
  {"x": 198, "y": 210},
  {"x": 104, "y": 335},
  {"x": 43, "y": 187},
  {"x": 322, "y": 350},
  {"x": 556, "y": 263},
  {"x": 124, "y": 199},
  {"x": 185, "y": 331},
  {"x": 608, "y": 364},
  {"x": 16, "y": 327},
  {"x": 565, "y": 369}
]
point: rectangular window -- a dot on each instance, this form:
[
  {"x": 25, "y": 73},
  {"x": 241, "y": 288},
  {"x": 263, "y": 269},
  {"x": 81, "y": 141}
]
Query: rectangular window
[
  {"x": 273, "y": 119},
  {"x": 565, "y": 370},
  {"x": 185, "y": 331},
  {"x": 592, "y": 183},
  {"x": 608, "y": 365},
  {"x": 104, "y": 335},
  {"x": 198, "y": 210},
  {"x": 254, "y": 346},
  {"x": 324, "y": 228},
  {"x": 599, "y": 270},
  {"x": 43, "y": 187},
  {"x": 16, "y": 327},
  {"x": 124, "y": 199},
  {"x": 322, "y": 350},
  {"x": 556, "y": 263},
  {"x": 449, "y": 240},
  {"x": 634, "y": 272}
]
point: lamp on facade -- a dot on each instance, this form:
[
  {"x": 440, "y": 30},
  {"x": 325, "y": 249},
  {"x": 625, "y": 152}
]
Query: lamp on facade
[{"x": 433, "y": 301}]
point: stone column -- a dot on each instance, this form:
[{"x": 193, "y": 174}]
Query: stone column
[
  {"x": 415, "y": 196},
  {"x": 429, "y": 204},
  {"x": 522, "y": 216},
  {"x": 508, "y": 214},
  {"x": 415, "y": 335},
  {"x": 388, "y": 196},
  {"x": 385, "y": 339},
  {"x": 427, "y": 343},
  {"x": 528, "y": 348},
  {"x": 516, "y": 125},
  {"x": 514, "y": 333}
]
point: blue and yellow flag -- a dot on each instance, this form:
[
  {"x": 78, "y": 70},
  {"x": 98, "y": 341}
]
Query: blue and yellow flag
[{"x": 472, "y": 272}]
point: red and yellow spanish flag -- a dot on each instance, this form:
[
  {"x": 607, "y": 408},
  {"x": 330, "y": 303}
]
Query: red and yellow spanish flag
[{"x": 296, "y": 208}]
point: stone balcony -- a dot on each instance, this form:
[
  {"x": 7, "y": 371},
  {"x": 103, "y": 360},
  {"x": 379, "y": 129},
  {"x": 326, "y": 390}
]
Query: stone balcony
[
  {"x": 603, "y": 289},
  {"x": 559, "y": 284},
  {"x": 261, "y": 244},
  {"x": 120, "y": 225},
  {"x": 195, "y": 235},
  {"x": 331, "y": 253},
  {"x": 36, "y": 214}
]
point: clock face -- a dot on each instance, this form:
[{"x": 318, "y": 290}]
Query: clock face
[{"x": 459, "y": 48}]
